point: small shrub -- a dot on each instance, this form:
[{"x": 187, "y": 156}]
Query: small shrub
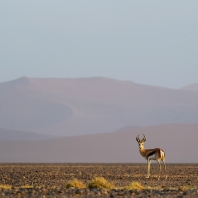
[
  {"x": 27, "y": 186},
  {"x": 5, "y": 186},
  {"x": 135, "y": 186},
  {"x": 100, "y": 182},
  {"x": 75, "y": 184},
  {"x": 184, "y": 188}
]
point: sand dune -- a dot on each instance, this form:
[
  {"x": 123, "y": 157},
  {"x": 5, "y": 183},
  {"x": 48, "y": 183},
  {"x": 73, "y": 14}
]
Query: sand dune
[
  {"x": 179, "y": 141},
  {"x": 91, "y": 105}
]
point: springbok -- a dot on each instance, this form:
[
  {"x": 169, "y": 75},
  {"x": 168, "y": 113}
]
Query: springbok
[{"x": 151, "y": 154}]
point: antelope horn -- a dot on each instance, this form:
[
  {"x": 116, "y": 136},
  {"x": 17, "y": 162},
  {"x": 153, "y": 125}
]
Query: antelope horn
[
  {"x": 144, "y": 138},
  {"x": 138, "y": 139}
]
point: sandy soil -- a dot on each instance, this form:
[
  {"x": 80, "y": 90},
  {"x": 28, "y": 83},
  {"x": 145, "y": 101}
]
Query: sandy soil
[{"x": 53, "y": 177}]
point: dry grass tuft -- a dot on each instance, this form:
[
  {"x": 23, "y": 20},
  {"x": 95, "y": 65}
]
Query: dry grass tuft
[
  {"x": 186, "y": 188},
  {"x": 135, "y": 186},
  {"x": 5, "y": 186},
  {"x": 75, "y": 184},
  {"x": 27, "y": 186},
  {"x": 100, "y": 182}
]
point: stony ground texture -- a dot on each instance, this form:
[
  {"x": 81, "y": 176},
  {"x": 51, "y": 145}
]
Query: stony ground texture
[{"x": 48, "y": 180}]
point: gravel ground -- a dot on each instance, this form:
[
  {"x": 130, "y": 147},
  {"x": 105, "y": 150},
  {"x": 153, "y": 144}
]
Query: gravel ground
[{"x": 48, "y": 180}]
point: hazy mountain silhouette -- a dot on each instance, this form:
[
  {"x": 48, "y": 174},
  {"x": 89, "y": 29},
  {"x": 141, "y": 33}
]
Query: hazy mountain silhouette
[
  {"x": 90, "y": 105},
  {"x": 14, "y": 135},
  {"x": 192, "y": 87},
  {"x": 179, "y": 141}
]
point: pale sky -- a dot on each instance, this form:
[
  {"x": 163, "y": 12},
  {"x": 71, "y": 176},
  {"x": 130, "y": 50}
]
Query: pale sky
[{"x": 149, "y": 42}]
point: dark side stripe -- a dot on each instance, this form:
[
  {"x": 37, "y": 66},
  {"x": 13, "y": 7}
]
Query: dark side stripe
[{"x": 151, "y": 153}]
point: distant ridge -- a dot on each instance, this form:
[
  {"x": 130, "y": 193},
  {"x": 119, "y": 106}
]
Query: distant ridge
[
  {"x": 13, "y": 135},
  {"x": 192, "y": 87},
  {"x": 70, "y": 107},
  {"x": 179, "y": 141}
]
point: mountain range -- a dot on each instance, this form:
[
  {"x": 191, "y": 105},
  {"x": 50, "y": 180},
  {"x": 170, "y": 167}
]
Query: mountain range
[
  {"x": 69, "y": 107},
  {"x": 95, "y": 120}
]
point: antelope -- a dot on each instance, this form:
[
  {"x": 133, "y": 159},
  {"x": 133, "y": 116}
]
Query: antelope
[{"x": 151, "y": 154}]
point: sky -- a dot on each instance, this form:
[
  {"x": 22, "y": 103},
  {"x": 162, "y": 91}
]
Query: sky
[{"x": 149, "y": 42}]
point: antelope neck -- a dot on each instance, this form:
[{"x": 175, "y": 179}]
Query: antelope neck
[{"x": 142, "y": 152}]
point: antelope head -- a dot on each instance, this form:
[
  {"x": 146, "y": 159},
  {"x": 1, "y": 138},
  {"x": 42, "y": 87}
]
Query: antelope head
[{"x": 141, "y": 142}]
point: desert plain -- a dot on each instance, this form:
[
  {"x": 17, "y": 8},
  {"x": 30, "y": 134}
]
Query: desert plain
[{"x": 49, "y": 180}]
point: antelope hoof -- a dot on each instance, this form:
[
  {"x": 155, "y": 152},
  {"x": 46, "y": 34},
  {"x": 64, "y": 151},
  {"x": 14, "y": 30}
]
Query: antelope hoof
[
  {"x": 158, "y": 178},
  {"x": 147, "y": 176}
]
